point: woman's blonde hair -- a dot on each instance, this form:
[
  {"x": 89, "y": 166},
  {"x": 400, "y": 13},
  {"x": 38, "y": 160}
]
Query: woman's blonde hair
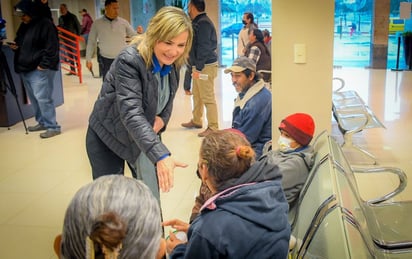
[{"x": 167, "y": 24}]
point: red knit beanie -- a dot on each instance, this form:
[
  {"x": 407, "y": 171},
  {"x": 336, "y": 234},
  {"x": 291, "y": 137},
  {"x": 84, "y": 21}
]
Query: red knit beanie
[{"x": 300, "y": 126}]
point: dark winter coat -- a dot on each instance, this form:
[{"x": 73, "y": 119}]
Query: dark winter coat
[
  {"x": 38, "y": 45},
  {"x": 125, "y": 111},
  {"x": 247, "y": 219}
]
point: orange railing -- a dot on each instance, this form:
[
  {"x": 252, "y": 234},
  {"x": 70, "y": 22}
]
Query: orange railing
[{"x": 70, "y": 52}]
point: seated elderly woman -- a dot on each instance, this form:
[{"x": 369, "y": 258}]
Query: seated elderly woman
[
  {"x": 247, "y": 215},
  {"x": 112, "y": 217}
]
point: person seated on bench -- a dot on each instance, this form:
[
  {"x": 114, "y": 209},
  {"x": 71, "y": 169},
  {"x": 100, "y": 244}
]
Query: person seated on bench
[
  {"x": 130, "y": 213},
  {"x": 247, "y": 214},
  {"x": 294, "y": 157}
]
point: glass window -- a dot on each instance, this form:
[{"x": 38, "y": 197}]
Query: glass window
[
  {"x": 353, "y": 30},
  {"x": 231, "y": 23}
]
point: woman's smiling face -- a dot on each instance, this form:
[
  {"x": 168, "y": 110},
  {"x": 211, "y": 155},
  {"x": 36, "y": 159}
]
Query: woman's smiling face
[{"x": 167, "y": 52}]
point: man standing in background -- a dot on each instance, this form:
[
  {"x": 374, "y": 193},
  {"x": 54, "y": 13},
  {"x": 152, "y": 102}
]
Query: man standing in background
[
  {"x": 36, "y": 59},
  {"x": 87, "y": 22},
  {"x": 249, "y": 21},
  {"x": 203, "y": 59},
  {"x": 69, "y": 21},
  {"x": 110, "y": 31}
]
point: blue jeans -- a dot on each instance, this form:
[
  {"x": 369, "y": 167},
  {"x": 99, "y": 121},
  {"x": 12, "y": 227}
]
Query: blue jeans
[{"x": 39, "y": 86}]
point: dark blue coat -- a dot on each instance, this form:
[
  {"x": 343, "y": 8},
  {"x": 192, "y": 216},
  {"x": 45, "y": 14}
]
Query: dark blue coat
[{"x": 243, "y": 221}]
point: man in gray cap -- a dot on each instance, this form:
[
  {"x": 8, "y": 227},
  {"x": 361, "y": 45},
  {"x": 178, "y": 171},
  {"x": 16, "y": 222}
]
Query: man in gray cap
[{"x": 252, "y": 114}]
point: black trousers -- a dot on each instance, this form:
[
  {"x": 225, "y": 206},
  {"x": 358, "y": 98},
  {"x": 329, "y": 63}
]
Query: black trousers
[
  {"x": 104, "y": 65},
  {"x": 102, "y": 159}
]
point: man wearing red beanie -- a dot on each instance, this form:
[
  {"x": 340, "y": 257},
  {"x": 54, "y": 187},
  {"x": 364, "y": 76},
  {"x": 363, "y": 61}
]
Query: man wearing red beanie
[{"x": 294, "y": 154}]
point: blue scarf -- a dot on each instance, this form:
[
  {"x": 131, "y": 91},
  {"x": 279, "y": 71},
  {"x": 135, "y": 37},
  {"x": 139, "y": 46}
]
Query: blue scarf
[{"x": 157, "y": 68}]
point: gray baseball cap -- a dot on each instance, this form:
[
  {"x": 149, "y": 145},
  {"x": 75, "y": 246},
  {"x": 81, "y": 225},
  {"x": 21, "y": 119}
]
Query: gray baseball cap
[{"x": 240, "y": 64}]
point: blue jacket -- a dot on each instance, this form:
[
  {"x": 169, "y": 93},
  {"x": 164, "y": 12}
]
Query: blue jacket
[
  {"x": 252, "y": 115},
  {"x": 248, "y": 219}
]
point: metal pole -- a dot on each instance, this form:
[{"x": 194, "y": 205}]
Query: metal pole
[{"x": 397, "y": 55}]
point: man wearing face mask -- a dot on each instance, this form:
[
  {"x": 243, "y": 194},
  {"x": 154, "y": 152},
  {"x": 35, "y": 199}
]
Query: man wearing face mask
[
  {"x": 294, "y": 154},
  {"x": 243, "y": 38}
]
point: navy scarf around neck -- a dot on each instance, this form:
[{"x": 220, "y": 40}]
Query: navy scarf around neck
[{"x": 157, "y": 68}]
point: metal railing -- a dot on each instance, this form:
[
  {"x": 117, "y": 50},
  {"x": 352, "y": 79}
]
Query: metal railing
[{"x": 70, "y": 52}]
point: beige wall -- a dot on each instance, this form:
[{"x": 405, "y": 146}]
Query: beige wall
[{"x": 302, "y": 87}]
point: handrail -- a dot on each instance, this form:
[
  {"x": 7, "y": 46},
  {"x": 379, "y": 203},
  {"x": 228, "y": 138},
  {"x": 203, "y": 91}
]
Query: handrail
[
  {"x": 74, "y": 51},
  {"x": 324, "y": 209},
  {"x": 403, "y": 179},
  {"x": 342, "y": 83},
  {"x": 348, "y": 216}
]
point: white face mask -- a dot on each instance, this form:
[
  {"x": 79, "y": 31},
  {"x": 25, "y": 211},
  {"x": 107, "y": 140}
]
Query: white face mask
[{"x": 284, "y": 144}]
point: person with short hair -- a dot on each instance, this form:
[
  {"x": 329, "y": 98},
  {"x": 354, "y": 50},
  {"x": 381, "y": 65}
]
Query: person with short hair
[
  {"x": 252, "y": 114},
  {"x": 108, "y": 33},
  {"x": 69, "y": 22},
  {"x": 247, "y": 215},
  {"x": 203, "y": 58},
  {"x": 87, "y": 23},
  {"x": 112, "y": 216},
  {"x": 248, "y": 21}
]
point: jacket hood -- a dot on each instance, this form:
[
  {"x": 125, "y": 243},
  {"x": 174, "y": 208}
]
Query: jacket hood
[
  {"x": 256, "y": 196},
  {"x": 25, "y": 7},
  {"x": 264, "y": 169},
  {"x": 263, "y": 204}
]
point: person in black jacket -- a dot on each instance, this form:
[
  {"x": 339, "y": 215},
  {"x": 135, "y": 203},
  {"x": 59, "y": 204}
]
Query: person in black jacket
[
  {"x": 69, "y": 21},
  {"x": 37, "y": 60},
  {"x": 203, "y": 59},
  {"x": 136, "y": 101}
]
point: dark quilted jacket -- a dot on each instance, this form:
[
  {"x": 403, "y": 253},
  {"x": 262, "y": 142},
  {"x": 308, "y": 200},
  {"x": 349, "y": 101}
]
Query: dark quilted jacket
[{"x": 125, "y": 110}]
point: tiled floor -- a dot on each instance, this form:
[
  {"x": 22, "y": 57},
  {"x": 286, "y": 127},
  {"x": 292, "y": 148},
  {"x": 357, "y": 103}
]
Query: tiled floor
[{"x": 38, "y": 177}]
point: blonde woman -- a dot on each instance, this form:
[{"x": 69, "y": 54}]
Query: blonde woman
[{"x": 136, "y": 101}]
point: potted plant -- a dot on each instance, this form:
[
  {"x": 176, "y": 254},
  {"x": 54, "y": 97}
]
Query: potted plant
[{"x": 407, "y": 48}]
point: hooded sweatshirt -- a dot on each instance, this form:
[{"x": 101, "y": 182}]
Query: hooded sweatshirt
[{"x": 246, "y": 219}]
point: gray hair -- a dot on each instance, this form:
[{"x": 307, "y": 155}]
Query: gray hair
[{"x": 129, "y": 198}]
